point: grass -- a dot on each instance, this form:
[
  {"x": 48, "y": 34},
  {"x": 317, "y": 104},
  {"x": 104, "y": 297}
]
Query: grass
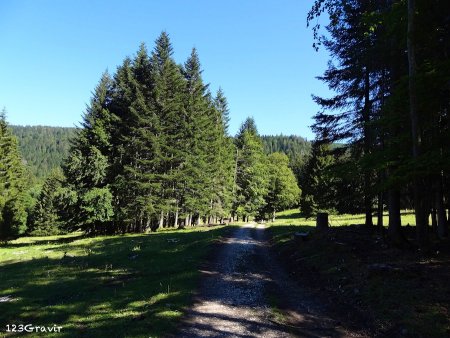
[
  {"x": 293, "y": 217},
  {"x": 110, "y": 286},
  {"x": 411, "y": 299}
]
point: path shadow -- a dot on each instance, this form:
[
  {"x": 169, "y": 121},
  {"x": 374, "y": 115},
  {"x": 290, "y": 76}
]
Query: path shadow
[{"x": 237, "y": 292}]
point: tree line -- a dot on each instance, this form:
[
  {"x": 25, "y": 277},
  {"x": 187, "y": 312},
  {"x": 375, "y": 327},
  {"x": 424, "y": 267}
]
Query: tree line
[
  {"x": 43, "y": 148},
  {"x": 390, "y": 70},
  {"x": 153, "y": 151}
]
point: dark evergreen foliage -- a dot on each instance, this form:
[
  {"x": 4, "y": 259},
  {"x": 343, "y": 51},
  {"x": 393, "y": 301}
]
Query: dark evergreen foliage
[
  {"x": 13, "y": 215},
  {"x": 153, "y": 150},
  {"x": 390, "y": 72}
]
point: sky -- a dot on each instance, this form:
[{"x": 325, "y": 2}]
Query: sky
[{"x": 259, "y": 52}]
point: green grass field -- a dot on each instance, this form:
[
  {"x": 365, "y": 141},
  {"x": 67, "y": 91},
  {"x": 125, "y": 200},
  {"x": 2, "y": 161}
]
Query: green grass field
[
  {"x": 121, "y": 286},
  {"x": 292, "y": 217}
]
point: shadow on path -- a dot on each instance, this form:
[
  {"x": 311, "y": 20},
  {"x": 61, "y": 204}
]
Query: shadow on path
[{"x": 240, "y": 288}]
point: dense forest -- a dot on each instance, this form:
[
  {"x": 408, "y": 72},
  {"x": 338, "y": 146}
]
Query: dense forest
[
  {"x": 152, "y": 151},
  {"x": 43, "y": 148},
  {"x": 390, "y": 72}
]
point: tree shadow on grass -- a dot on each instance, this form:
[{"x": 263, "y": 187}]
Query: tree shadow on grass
[
  {"x": 55, "y": 240},
  {"x": 295, "y": 215},
  {"x": 123, "y": 286}
]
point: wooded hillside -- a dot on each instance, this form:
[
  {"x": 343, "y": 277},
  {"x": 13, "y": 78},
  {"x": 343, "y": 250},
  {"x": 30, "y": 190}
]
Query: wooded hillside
[
  {"x": 293, "y": 146},
  {"x": 43, "y": 148}
]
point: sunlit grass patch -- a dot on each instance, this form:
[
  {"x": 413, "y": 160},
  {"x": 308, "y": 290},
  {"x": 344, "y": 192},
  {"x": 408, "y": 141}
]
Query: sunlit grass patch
[{"x": 134, "y": 285}]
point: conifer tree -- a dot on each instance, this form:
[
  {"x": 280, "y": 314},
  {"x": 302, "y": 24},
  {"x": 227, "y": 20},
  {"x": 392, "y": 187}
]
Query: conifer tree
[
  {"x": 224, "y": 173},
  {"x": 46, "y": 219},
  {"x": 316, "y": 182},
  {"x": 168, "y": 95},
  {"x": 251, "y": 171},
  {"x": 206, "y": 141},
  {"x": 140, "y": 177},
  {"x": 86, "y": 168},
  {"x": 283, "y": 191},
  {"x": 12, "y": 184}
]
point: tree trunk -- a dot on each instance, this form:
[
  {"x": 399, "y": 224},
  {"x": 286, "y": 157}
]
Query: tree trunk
[
  {"x": 175, "y": 222},
  {"x": 367, "y": 149},
  {"x": 161, "y": 220},
  {"x": 273, "y": 215},
  {"x": 434, "y": 220},
  {"x": 442, "y": 225},
  {"x": 322, "y": 221},
  {"x": 380, "y": 210},
  {"x": 395, "y": 222},
  {"x": 419, "y": 203}
]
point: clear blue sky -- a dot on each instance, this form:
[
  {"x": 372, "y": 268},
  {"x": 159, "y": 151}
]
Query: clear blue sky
[{"x": 53, "y": 53}]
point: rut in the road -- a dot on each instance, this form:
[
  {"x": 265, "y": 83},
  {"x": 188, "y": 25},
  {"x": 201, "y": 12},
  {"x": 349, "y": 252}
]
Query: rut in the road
[{"x": 234, "y": 299}]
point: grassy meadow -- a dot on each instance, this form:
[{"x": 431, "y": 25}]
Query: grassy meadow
[
  {"x": 293, "y": 217},
  {"x": 110, "y": 286}
]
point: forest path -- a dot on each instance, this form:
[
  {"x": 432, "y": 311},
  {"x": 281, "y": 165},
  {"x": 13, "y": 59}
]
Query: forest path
[{"x": 239, "y": 289}]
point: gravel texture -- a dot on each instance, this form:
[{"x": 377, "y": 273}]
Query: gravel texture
[{"x": 245, "y": 293}]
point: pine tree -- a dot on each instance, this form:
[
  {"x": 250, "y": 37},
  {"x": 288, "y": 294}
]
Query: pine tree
[
  {"x": 141, "y": 183},
  {"x": 12, "y": 184},
  {"x": 86, "y": 168},
  {"x": 221, "y": 104},
  {"x": 46, "y": 219},
  {"x": 207, "y": 147},
  {"x": 168, "y": 95},
  {"x": 251, "y": 171},
  {"x": 316, "y": 181},
  {"x": 225, "y": 162},
  {"x": 283, "y": 191}
]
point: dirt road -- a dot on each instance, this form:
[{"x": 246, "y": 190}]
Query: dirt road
[{"x": 245, "y": 293}]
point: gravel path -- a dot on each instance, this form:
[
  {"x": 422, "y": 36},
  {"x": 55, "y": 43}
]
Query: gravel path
[{"x": 238, "y": 292}]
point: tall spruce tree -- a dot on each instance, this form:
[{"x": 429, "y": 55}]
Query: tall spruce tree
[
  {"x": 168, "y": 96},
  {"x": 139, "y": 182},
  {"x": 225, "y": 150},
  {"x": 86, "y": 168},
  {"x": 316, "y": 181},
  {"x": 198, "y": 168},
  {"x": 12, "y": 184},
  {"x": 251, "y": 171}
]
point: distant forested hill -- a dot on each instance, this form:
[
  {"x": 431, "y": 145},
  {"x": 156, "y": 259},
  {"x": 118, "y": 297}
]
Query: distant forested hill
[
  {"x": 43, "y": 148},
  {"x": 295, "y": 147}
]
